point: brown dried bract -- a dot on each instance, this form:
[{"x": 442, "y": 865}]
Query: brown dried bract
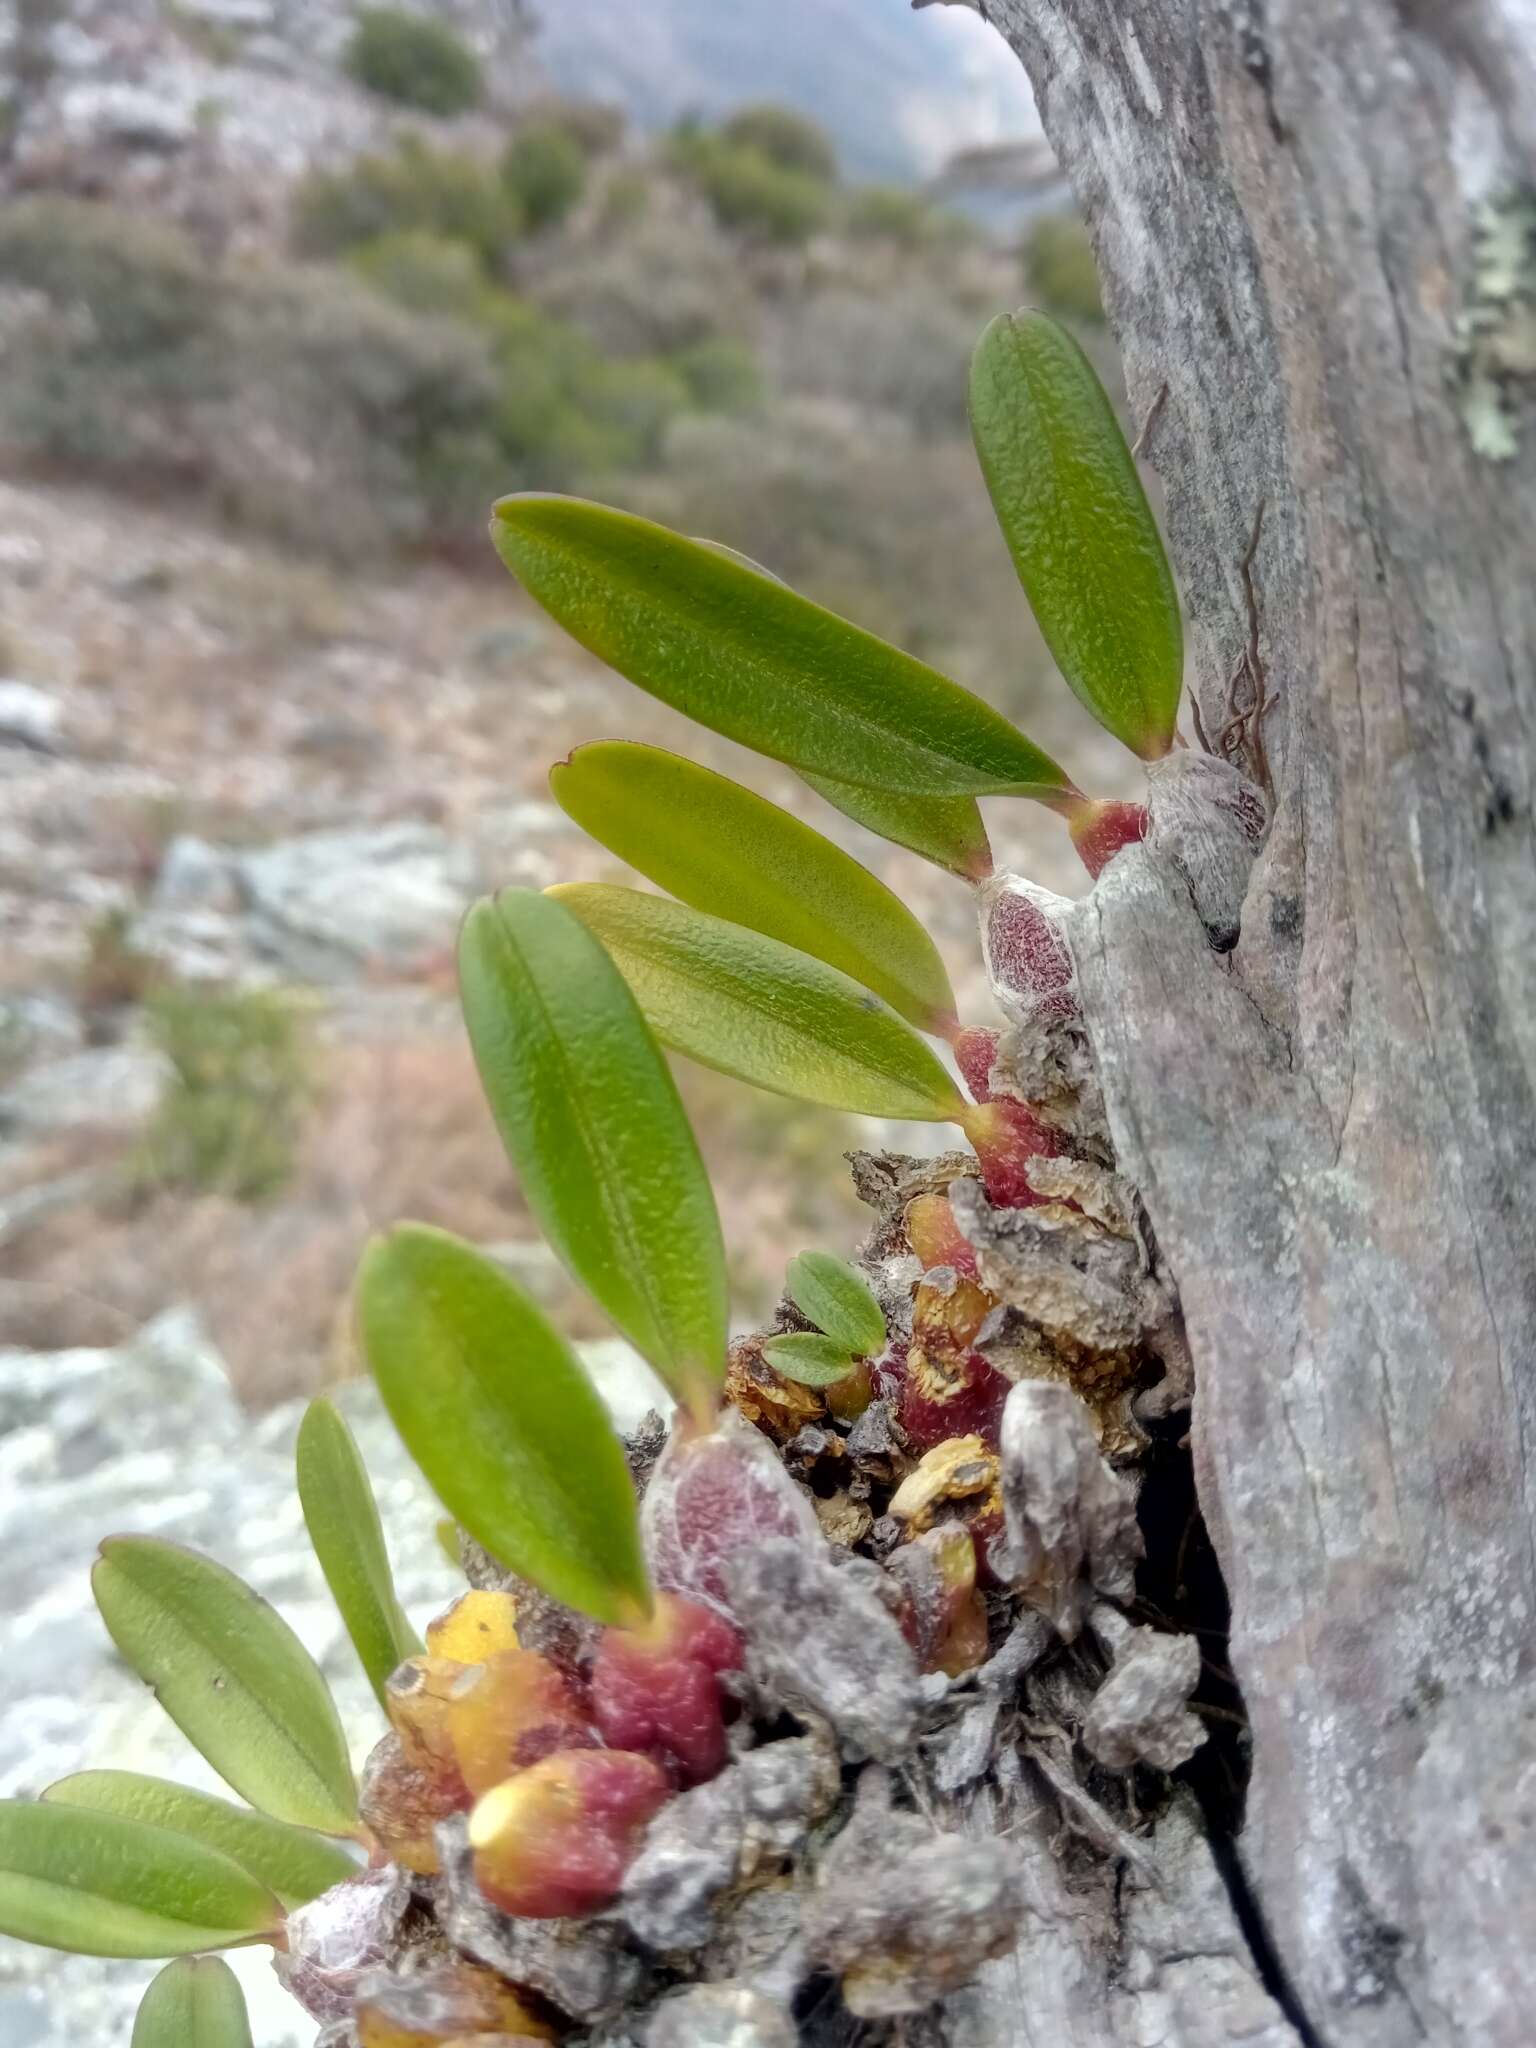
[{"x": 962, "y": 1469}]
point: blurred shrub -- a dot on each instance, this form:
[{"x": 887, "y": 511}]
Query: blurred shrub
[
  {"x": 414, "y": 60},
  {"x": 446, "y": 192},
  {"x": 114, "y": 973},
  {"x": 544, "y": 169},
  {"x": 664, "y": 282},
  {"x": 565, "y": 411},
  {"x": 892, "y": 213},
  {"x": 296, "y": 400},
  {"x": 230, "y": 1117},
  {"x": 904, "y": 352},
  {"x": 720, "y": 374},
  {"x": 753, "y": 195},
  {"x": 1059, "y": 269},
  {"x": 595, "y": 126},
  {"x": 423, "y": 272},
  {"x": 626, "y": 195},
  {"x": 785, "y": 138}
]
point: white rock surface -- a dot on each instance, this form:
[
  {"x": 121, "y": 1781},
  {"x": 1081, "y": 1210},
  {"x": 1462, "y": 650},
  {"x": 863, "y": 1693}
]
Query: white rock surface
[
  {"x": 113, "y": 1086},
  {"x": 148, "y": 1437},
  {"x": 30, "y": 717}
]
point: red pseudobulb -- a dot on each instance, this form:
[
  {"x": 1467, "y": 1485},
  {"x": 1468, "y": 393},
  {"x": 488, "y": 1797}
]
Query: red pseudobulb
[
  {"x": 657, "y": 1688},
  {"x": 557, "y": 1839},
  {"x": 1005, "y": 1132},
  {"x": 1101, "y": 830}
]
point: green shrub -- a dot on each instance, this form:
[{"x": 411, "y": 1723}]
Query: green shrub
[
  {"x": 595, "y": 126},
  {"x": 295, "y": 400},
  {"x": 413, "y": 188},
  {"x": 1060, "y": 271},
  {"x": 625, "y": 198},
  {"x": 544, "y": 170},
  {"x": 565, "y": 411},
  {"x": 752, "y": 194},
  {"x": 720, "y": 374},
  {"x": 423, "y": 272},
  {"x": 892, "y": 213},
  {"x": 414, "y": 60},
  {"x": 231, "y": 1114},
  {"x": 785, "y": 138}
]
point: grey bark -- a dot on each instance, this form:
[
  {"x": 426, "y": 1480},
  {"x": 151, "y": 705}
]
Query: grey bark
[{"x": 1297, "y": 207}]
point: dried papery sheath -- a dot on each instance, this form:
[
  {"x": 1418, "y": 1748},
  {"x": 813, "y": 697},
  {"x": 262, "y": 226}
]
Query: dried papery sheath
[
  {"x": 1209, "y": 820},
  {"x": 1071, "y": 1521},
  {"x": 1140, "y": 1714}
]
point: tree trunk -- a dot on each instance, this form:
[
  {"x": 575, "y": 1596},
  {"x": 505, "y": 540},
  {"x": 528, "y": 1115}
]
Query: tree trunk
[{"x": 1316, "y": 224}]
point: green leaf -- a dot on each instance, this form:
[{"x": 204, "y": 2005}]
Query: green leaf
[
  {"x": 496, "y": 1410},
  {"x": 721, "y": 848},
  {"x": 1078, "y": 525},
  {"x": 232, "y": 1675},
  {"x": 591, "y": 1118},
  {"x": 812, "y": 1360},
  {"x": 99, "y": 1885},
  {"x": 194, "y": 2003},
  {"x": 754, "y": 1007},
  {"x": 836, "y": 1298},
  {"x": 944, "y": 829},
  {"x": 342, "y": 1517},
  {"x": 746, "y": 655},
  {"x": 291, "y": 1862}
]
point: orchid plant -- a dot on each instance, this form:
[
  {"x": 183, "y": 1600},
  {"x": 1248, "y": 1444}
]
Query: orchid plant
[{"x": 774, "y": 957}]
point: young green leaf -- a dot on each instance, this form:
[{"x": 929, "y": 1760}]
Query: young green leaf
[
  {"x": 195, "y": 2002},
  {"x": 591, "y": 1118},
  {"x": 746, "y": 655},
  {"x": 1078, "y": 525},
  {"x": 944, "y": 829},
  {"x": 836, "y": 1298},
  {"x": 342, "y": 1517},
  {"x": 811, "y": 1359},
  {"x": 721, "y": 848},
  {"x": 496, "y": 1410},
  {"x": 291, "y": 1862},
  {"x": 232, "y": 1675},
  {"x": 754, "y": 1007},
  {"x": 99, "y": 1885}
]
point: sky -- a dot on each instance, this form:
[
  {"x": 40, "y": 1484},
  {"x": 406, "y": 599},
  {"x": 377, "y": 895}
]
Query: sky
[{"x": 899, "y": 90}]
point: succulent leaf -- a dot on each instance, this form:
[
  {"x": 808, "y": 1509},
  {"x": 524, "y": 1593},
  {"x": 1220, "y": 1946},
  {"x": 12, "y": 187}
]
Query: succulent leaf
[
  {"x": 944, "y": 829},
  {"x": 232, "y": 1675},
  {"x": 591, "y": 1118},
  {"x": 742, "y": 653},
  {"x": 495, "y": 1408},
  {"x": 813, "y": 1360},
  {"x": 756, "y": 1008},
  {"x": 293, "y": 1863},
  {"x": 836, "y": 1298},
  {"x": 195, "y": 2002},
  {"x": 721, "y": 848},
  {"x": 342, "y": 1517},
  {"x": 1078, "y": 525},
  {"x": 99, "y": 1885}
]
